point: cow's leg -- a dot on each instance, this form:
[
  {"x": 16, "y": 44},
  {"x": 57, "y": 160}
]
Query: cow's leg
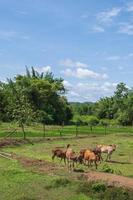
[
  {"x": 60, "y": 159},
  {"x": 110, "y": 155},
  {"x": 101, "y": 158},
  {"x": 107, "y": 156},
  {"x": 65, "y": 160},
  {"x": 95, "y": 164},
  {"x": 89, "y": 164},
  {"x": 53, "y": 157}
]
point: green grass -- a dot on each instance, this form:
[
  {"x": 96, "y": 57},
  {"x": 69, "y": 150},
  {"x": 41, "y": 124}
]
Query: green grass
[
  {"x": 122, "y": 156},
  {"x": 27, "y": 183},
  {"x": 36, "y": 130},
  {"x": 17, "y": 183}
]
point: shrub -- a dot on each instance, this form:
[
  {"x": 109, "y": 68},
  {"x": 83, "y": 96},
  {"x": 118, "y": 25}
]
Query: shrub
[
  {"x": 98, "y": 187},
  {"x": 97, "y": 190},
  {"x": 108, "y": 169}
]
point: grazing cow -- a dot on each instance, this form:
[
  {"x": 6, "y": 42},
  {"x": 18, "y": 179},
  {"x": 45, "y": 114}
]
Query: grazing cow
[
  {"x": 77, "y": 159},
  {"x": 89, "y": 156},
  {"x": 59, "y": 153},
  {"x": 97, "y": 151},
  {"x": 109, "y": 149},
  {"x": 70, "y": 156}
]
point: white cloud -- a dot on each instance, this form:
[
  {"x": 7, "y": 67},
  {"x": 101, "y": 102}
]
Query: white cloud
[
  {"x": 129, "y": 7},
  {"x": 74, "y": 94},
  {"x": 107, "y": 16},
  {"x": 97, "y": 29},
  {"x": 68, "y": 72},
  {"x": 84, "y": 73},
  {"x": 126, "y": 28},
  {"x": 44, "y": 69},
  {"x": 67, "y": 84},
  {"x": 108, "y": 87},
  {"x": 70, "y": 63},
  {"x": 81, "y": 73},
  {"x": 90, "y": 91},
  {"x": 130, "y": 55}
]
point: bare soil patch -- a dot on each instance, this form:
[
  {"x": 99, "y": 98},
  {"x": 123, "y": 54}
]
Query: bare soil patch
[
  {"x": 110, "y": 179},
  {"x": 7, "y": 142},
  {"x": 37, "y": 164}
]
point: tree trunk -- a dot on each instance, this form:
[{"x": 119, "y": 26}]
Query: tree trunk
[
  {"x": 76, "y": 130},
  {"x": 60, "y": 130},
  {"x": 105, "y": 130},
  {"x": 91, "y": 128},
  {"x": 44, "y": 131}
]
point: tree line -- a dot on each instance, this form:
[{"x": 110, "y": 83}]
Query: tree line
[
  {"x": 117, "y": 109},
  {"x": 39, "y": 97}
]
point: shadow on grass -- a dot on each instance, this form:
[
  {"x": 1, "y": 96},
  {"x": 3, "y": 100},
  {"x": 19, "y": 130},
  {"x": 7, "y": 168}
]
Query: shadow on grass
[{"x": 118, "y": 162}]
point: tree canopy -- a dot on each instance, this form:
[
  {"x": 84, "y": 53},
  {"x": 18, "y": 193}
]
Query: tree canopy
[{"x": 41, "y": 94}]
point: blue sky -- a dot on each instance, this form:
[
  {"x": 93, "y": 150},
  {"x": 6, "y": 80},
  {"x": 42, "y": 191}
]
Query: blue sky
[{"x": 88, "y": 43}]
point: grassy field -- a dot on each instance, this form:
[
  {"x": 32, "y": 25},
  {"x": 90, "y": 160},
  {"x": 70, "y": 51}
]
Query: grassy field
[
  {"x": 36, "y": 130},
  {"x": 123, "y": 155},
  {"x": 21, "y": 181}
]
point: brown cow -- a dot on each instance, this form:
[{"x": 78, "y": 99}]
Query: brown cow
[
  {"x": 59, "y": 153},
  {"x": 89, "y": 156}
]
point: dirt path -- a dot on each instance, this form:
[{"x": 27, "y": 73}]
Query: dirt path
[{"x": 110, "y": 179}]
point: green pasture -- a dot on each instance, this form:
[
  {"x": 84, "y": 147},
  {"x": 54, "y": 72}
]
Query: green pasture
[
  {"x": 36, "y": 130},
  {"x": 19, "y": 182},
  {"x": 122, "y": 157}
]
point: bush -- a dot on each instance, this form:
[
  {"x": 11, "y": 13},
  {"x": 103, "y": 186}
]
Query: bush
[
  {"x": 98, "y": 187},
  {"x": 89, "y": 120},
  {"x": 116, "y": 193},
  {"x": 97, "y": 190},
  {"x": 106, "y": 168},
  {"x": 104, "y": 122}
]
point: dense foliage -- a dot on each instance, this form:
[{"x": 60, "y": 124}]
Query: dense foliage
[
  {"x": 34, "y": 97},
  {"x": 117, "y": 109},
  {"x": 41, "y": 98}
]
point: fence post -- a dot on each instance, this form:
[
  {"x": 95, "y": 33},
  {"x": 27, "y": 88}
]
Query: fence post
[
  {"x": 105, "y": 129},
  {"x": 91, "y": 128},
  {"x": 76, "y": 130},
  {"x": 44, "y": 131},
  {"x": 61, "y": 129}
]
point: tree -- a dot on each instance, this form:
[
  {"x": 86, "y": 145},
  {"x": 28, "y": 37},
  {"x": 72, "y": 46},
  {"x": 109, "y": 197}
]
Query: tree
[
  {"x": 20, "y": 108},
  {"x": 105, "y": 108},
  {"x": 120, "y": 95},
  {"x": 45, "y": 93},
  {"x": 3, "y": 103}
]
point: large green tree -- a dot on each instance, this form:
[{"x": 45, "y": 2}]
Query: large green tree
[{"x": 46, "y": 95}]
